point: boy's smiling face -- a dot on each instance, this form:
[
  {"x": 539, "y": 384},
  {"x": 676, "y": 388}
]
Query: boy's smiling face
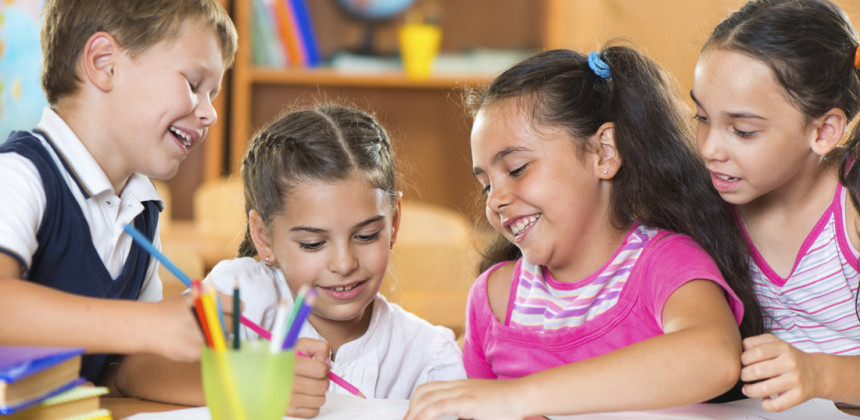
[{"x": 161, "y": 102}]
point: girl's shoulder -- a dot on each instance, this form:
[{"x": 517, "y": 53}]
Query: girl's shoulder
[
  {"x": 492, "y": 289},
  {"x": 404, "y": 326},
  {"x": 253, "y": 276}
]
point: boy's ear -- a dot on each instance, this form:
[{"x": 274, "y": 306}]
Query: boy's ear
[
  {"x": 260, "y": 237},
  {"x": 99, "y": 60},
  {"x": 829, "y": 129},
  {"x": 395, "y": 220},
  {"x": 608, "y": 161}
]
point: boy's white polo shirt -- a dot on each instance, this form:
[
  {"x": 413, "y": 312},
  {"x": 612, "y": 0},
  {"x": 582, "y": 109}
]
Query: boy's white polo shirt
[{"x": 23, "y": 199}]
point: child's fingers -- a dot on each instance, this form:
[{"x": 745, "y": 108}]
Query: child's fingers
[
  {"x": 311, "y": 368},
  {"x": 783, "y": 401},
  {"x": 307, "y": 397},
  {"x": 314, "y": 349},
  {"x": 751, "y": 342},
  {"x": 763, "y": 352},
  {"x": 766, "y": 388}
]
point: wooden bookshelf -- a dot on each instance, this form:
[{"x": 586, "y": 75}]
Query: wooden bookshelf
[
  {"x": 429, "y": 126},
  {"x": 425, "y": 118}
]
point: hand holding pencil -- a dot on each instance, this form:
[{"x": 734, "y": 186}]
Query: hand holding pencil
[{"x": 311, "y": 380}]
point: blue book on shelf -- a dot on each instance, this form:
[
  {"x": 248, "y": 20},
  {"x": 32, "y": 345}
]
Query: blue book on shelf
[
  {"x": 29, "y": 375},
  {"x": 306, "y": 28}
]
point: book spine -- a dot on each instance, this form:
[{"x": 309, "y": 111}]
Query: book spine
[
  {"x": 306, "y": 28},
  {"x": 290, "y": 35},
  {"x": 268, "y": 51}
]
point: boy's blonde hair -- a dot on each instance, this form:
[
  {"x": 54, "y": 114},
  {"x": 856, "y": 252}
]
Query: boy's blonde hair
[{"x": 136, "y": 25}]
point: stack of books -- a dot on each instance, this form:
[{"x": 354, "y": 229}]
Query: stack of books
[{"x": 44, "y": 383}]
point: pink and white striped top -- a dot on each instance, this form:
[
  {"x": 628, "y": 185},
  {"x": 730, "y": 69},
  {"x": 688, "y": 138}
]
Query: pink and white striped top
[
  {"x": 543, "y": 304},
  {"x": 814, "y": 308}
]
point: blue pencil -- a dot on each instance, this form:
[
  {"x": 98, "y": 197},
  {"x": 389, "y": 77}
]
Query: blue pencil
[
  {"x": 299, "y": 321},
  {"x": 143, "y": 242}
]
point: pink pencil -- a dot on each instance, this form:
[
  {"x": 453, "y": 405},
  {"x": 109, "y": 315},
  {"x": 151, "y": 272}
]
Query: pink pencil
[{"x": 331, "y": 375}]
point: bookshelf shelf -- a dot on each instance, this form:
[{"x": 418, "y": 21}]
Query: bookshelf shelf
[{"x": 330, "y": 77}]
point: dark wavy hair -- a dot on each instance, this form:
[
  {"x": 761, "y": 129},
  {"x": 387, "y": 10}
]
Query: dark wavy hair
[
  {"x": 662, "y": 181},
  {"x": 325, "y": 143}
]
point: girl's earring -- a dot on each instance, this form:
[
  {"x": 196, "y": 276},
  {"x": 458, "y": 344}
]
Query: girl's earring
[
  {"x": 605, "y": 172},
  {"x": 268, "y": 264}
]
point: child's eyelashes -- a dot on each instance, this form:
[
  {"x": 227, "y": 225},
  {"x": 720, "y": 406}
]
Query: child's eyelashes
[
  {"x": 700, "y": 118},
  {"x": 518, "y": 171},
  {"x": 744, "y": 134},
  {"x": 360, "y": 238},
  {"x": 194, "y": 86},
  {"x": 311, "y": 246},
  {"x": 368, "y": 238}
]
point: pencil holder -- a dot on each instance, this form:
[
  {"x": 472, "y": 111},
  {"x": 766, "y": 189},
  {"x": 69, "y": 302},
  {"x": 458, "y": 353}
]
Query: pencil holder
[
  {"x": 250, "y": 383},
  {"x": 419, "y": 45}
]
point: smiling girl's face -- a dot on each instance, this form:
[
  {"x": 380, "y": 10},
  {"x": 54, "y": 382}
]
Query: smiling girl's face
[
  {"x": 753, "y": 139},
  {"x": 335, "y": 236}
]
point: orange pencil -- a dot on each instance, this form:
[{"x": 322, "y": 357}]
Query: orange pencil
[{"x": 196, "y": 291}]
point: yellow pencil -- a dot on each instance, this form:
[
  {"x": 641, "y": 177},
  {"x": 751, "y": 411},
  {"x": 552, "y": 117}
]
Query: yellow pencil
[{"x": 208, "y": 300}]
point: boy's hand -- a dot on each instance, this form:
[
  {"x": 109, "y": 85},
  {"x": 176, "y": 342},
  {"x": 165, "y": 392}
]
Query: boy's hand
[
  {"x": 471, "y": 398},
  {"x": 786, "y": 376},
  {"x": 311, "y": 378},
  {"x": 176, "y": 334}
]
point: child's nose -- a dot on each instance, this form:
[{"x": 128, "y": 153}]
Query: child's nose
[
  {"x": 710, "y": 146},
  {"x": 343, "y": 261},
  {"x": 205, "y": 112},
  {"x": 498, "y": 197}
]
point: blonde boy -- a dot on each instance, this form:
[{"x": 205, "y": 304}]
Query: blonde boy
[{"x": 130, "y": 86}]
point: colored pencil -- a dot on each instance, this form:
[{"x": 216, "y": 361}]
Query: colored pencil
[
  {"x": 331, "y": 375},
  {"x": 279, "y": 328},
  {"x": 215, "y": 330},
  {"x": 299, "y": 321},
  {"x": 340, "y": 381},
  {"x": 236, "y": 312},
  {"x": 300, "y": 299},
  {"x": 196, "y": 291},
  {"x": 143, "y": 242}
]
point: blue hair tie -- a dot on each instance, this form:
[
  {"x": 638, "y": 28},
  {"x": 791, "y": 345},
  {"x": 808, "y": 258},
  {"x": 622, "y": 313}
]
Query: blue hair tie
[{"x": 598, "y": 66}]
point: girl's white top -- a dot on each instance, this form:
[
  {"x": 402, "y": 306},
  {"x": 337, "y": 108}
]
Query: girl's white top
[{"x": 398, "y": 352}]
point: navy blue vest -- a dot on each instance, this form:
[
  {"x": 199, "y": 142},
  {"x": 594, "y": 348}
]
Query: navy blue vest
[{"x": 66, "y": 258}]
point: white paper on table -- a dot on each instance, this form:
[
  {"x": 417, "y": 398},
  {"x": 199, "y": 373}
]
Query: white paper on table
[
  {"x": 748, "y": 409},
  {"x": 336, "y": 407}
]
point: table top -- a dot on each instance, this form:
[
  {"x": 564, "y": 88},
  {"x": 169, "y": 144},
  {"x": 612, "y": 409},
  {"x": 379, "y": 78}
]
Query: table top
[
  {"x": 124, "y": 407},
  {"x": 121, "y": 408}
]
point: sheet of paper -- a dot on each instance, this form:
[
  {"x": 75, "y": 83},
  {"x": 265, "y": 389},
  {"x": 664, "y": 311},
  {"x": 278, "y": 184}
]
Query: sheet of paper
[
  {"x": 336, "y": 407},
  {"x": 749, "y": 409}
]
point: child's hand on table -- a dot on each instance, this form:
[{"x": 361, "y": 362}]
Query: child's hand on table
[
  {"x": 311, "y": 378},
  {"x": 472, "y": 398},
  {"x": 786, "y": 376}
]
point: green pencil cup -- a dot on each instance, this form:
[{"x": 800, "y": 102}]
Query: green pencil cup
[{"x": 247, "y": 384}]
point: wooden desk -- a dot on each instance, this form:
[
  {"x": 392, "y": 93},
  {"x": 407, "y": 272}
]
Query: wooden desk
[{"x": 124, "y": 407}]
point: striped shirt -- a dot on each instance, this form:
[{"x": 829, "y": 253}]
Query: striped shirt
[
  {"x": 814, "y": 309},
  {"x": 542, "y": 305}
]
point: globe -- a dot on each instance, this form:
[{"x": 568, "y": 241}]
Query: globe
[{"x": 375, "y": 9}]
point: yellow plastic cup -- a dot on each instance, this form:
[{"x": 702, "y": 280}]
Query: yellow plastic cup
[
  {"x": 247, "y": 384},
  {"x": 419, "y": 45}
]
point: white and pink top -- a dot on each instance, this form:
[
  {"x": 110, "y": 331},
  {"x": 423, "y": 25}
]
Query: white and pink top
[
  {"x": 551, "y": 323},
  {"x": 814, "y": 309}
]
